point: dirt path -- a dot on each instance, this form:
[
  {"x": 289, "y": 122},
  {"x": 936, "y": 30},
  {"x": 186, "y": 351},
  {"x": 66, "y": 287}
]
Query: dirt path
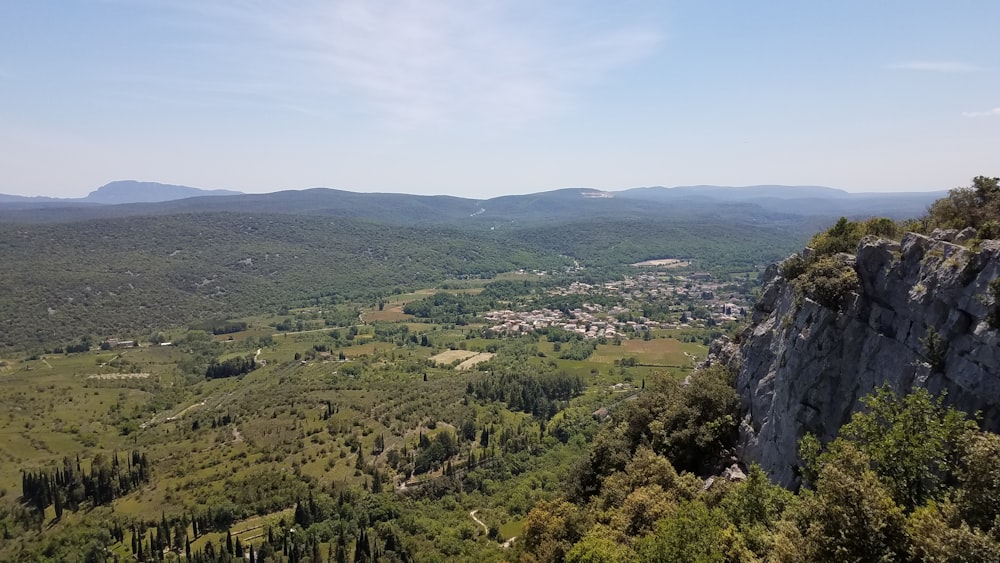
[
  {"x": 478, "y": 521},
  {"x": 506, "y": 544}
]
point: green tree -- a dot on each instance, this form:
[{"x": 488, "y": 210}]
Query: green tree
[
  {"x": 971, "y": 206},
  {"x": 911, "y": 441},
  {"x": 600, "y": 545},
  {"x": 693, "y": 533},
  {"x": 936, "y": 534},
  {"x": 978, "y": 480},
  {"x": 755, "y": 506},
  {"x": 850, "y": 518}
]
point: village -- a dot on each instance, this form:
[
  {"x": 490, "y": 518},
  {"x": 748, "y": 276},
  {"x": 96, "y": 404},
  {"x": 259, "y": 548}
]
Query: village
[{"x": 633, "y": 305}]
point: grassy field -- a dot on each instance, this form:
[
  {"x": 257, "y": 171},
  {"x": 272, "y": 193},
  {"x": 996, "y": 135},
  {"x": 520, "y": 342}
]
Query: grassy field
[
  {"x": 661, "y": 352},
  {"x": 450, "y": 356}
]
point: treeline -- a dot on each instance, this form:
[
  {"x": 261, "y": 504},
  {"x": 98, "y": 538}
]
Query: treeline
[
  {"x": 540, "y": 394},
  {"x": 230, "y": 368},
  {"x": 218, "y": 327},
  {"x": 446, "y": 308},
  {"x": 578, "y": 348},
  {"x": 70, "y": 486},
  {"x": 506, "y": 290},
  {"x": 729, "y": 244}
]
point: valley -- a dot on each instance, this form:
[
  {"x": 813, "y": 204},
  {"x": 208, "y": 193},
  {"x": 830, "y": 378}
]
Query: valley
[
  {"x": 360, "y": 407},
  {"x": 224, "y": 386}
]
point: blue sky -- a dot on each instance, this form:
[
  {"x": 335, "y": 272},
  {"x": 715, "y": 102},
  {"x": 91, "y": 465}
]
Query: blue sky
[{"x": 484, "y": 98}]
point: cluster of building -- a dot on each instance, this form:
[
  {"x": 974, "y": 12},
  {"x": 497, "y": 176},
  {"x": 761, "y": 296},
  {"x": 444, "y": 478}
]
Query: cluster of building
[
  {"x": 712, "y": 302},
  {"x": 590, "y": 323}
]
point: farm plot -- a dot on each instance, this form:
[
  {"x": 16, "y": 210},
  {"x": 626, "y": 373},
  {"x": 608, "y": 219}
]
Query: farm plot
[{"x": 656, "y": 352}]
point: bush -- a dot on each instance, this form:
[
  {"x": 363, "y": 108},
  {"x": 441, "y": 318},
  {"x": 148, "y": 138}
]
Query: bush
[
  {"x": 973, "y": 206},
  {"x": 880, "y": 227},
  {"x": 994, "y": 315},
  {"x": 935, "y": 350},
  {"x": 793, "y": 267},
  {"x": 827, "y": 281},
  {"x": 842, "y": 237},
  {"x": 989, "y": 230}
]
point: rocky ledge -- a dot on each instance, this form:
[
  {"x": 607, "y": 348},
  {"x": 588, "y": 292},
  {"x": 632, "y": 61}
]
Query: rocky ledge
[{"x": 919, "y": 318}]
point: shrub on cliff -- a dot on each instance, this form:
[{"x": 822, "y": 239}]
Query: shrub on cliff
[
  {"x": 994, "y": 317},
  {"x": 845, "y": 235},
  {"x": 827, "y": 281},
  {"x": 973, "y": 206},
  {"x": 842, "y": 237}
]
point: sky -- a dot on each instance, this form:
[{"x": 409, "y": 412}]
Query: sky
[{"x": 484, "y": 98}]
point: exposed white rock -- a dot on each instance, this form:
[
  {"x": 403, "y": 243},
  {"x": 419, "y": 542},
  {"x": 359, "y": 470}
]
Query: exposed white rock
[{"x": 802, "y": 367}]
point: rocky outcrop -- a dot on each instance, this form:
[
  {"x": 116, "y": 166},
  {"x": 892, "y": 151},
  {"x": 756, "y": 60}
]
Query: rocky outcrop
[{"x": 802, "y": 367}]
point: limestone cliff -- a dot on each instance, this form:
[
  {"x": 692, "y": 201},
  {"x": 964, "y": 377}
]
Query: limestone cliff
[{"x": 802, "y": 367}]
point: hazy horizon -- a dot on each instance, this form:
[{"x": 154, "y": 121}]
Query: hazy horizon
[
  {"x": 480, "y": 100},
  {"x": 615, "y": 190}
]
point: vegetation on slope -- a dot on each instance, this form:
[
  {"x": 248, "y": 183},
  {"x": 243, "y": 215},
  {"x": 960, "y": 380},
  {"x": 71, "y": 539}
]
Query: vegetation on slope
[
  {"x": 976, "y": 206},
  {"x": 355, "y": 435},
  {"x": 827, "y": 277},
  {"x": 135, "y": 275},
  {"x": 907, "y": 480}
]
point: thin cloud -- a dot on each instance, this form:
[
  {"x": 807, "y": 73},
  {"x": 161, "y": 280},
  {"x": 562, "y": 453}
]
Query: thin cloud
[
  {"x": 995, "y": 112},
  {"x": 417, "y": 62},
  {"x": 935, "y": 66}
]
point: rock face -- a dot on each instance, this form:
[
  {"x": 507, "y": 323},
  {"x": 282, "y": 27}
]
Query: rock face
[{"x": 802, "y": 367}]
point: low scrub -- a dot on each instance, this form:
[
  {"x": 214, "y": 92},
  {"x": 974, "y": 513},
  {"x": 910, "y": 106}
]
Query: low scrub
[{"x": 827, "y": 281}]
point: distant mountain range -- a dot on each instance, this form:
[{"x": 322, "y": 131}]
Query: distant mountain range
[
  {"x": 124, "y": 191},
  {"x": 767, "y": 203}
]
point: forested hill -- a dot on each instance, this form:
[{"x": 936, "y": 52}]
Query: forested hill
[
  {"x": 770, "y": 203},
  {"x": 66, "y": 280},
  {"x": 136, "y": 274},
  {"x": 87, "y": 269}
]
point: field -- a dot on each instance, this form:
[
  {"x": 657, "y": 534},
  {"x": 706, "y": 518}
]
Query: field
[
  {"x": 449, "y": 356},
  {"x": 664, "y": 263},
  {"x": 475, "y": 360},
  {"x": 391, "y": 313},
  {"x": 658, "y": 352}
]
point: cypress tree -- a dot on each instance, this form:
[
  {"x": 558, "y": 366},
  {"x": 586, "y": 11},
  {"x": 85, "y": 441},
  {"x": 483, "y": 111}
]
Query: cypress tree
[
  {"x": 361, "y": 547},
  {"x": 341, "y": 551},
  {"x": 59, "y": 504}
]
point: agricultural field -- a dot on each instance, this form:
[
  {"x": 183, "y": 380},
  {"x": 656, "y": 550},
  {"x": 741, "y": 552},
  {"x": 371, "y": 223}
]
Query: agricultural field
[
  {"x": 658, "y": 352},
  {"x": 412, "y": 419}
]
